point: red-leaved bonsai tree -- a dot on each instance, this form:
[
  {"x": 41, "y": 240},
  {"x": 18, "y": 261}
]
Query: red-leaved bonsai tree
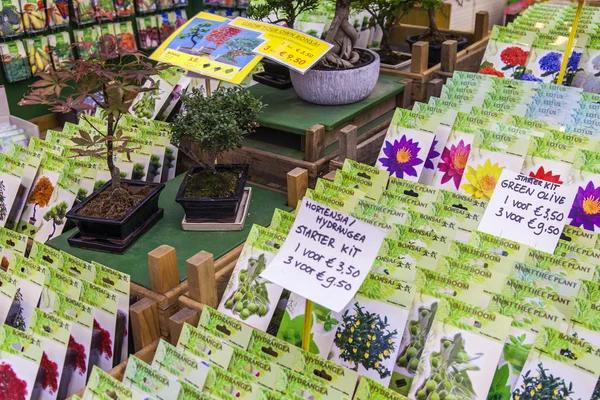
[{"x": 111, "y": 79}]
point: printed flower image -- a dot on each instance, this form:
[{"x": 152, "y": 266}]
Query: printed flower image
[
  {"x": 574, "y": 60},
  {"x": 402, "y": 157},
  {"x": 547, "y": 176},
  {"x": 586, "y": 208},
  {"x": 483, "y": 180},
  {"x": 513, "y": 56},
  {"x": 11, "y": 387},
  {"x": 541, "y": 384},
  {"x": 550, "y": 63},
  {"x": 489, "y": 70},
  {"x": 453, "y": 162},
  {"x": 530, "y": 77},
  {"x": 432, "y": 155}
]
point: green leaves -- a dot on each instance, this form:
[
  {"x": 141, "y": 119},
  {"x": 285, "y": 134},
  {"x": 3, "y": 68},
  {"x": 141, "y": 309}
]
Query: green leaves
[{"x": 516, "y": 352}]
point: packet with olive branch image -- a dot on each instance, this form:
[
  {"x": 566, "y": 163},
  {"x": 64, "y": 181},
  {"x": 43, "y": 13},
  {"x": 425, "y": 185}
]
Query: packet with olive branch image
[
  {"x": 545, "y": 279},
  {"x": 403, "y": 202},
  {"x": 21, "y": 356},
  {"x": 431, "y": 287},
  {"x": 585, "y": 322},
  {"x": 58, "y": 282},
  {"x": 11, "y": 242},
  {"x": 30, "y": 279},
  {"x": 512, "y": 250},
  {"x": 398, "y": 259},
  {"x": 178, "y": 363},
  {"x": 295, "y": 385},
  {"x": 148, "y": 382},
  {"x": 463, "y": 221},
  {"x": 365, "y": 171},
  {"x": 377, "y": 214},
  {"x": 460, "y": 353},
  {"x": 345, "y": 206},
  {"x": 371, "y": 188},
  {"x": 248, "y": 297},
  {"x": 8, "y": 290},
  {"x": 282, "y": 221},
  {"x": 31, "y": 162},
  {"x": 234, "y": 332},
  {"x": 54, "y": 333},
  {"x": 528, "y": 320},
  {"x": 253, "y": 368},
  {"x": 335, "y": 191},
  {"x": 201, "y": 343},
  {"x": 273, "y": 349},
  {"x": 421, "y": 237},
  {"x": 471, "y": 255},
  {"x": 568, "y": 267},
  {"x": 559, "y": 366},
  {"x": 368, "y": 337},
  {"x": 371, "y": 390},
  {"x": 102, "y": 386},
  {"x": 323, "y": 327}
]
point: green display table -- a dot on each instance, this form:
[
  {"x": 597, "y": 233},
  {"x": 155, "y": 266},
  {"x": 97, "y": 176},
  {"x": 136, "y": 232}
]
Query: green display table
[{"x": 168, "y": 231}]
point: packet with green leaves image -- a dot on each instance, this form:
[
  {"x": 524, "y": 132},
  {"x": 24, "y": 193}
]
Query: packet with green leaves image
[
  {"x": 228, "y": 328},
  {"x": 199, "y": 342},
  {"x": 102, "y": 386},
  {"x": 147, "y": 381}
]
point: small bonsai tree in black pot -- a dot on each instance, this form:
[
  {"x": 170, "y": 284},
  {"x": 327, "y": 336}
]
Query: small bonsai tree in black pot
[{"x": 213, "y": 124}]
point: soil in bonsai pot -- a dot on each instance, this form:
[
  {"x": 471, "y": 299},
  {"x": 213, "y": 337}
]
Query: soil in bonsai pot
[
  {"x": 115, "y": 205},
  {"x": 391, "y": 58},
  {"x": 209, "y": 184},
  {"x": 365, "y": 58}
]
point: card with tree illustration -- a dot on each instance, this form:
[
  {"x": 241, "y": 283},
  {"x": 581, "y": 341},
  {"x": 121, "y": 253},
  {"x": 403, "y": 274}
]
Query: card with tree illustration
[{"x": 21, "y": 357}]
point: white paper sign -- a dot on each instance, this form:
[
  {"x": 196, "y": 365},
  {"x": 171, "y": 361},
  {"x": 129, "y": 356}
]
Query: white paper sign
[
  {"x": 527, "y": 210},
  {"x": 326, "y": 256}
]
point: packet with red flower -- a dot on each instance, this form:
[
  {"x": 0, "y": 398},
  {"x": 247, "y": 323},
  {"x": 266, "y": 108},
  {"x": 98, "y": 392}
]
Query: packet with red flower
[
  {"x": 54, "y": 333},
  {"x": 21, "y": 357},
  {"x": 507, "y": 52},
  {"x": 8, "y": 290},
  {"x": 81, "y": 317},
  {"x": 30, "y": 281}
]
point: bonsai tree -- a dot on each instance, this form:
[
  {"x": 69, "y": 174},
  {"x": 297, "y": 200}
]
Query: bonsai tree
[
  {"x": 155, "y": 165},
  {"x": 138, "y": 172},
  {"x": 81, "y": 194},
  {"x": 40, "y": 195},
  {"x": 169, "y": 158},
  {"x": 112, "y": 80},
  {"x": 282, "y": 10},
  {"x": 241, "y": 46},
  {"x": 57, "y": 215},
  {"x": 385, "y": 13},
  {"x": 343, "y": 36},
  {"x": 196, "y": 33}
]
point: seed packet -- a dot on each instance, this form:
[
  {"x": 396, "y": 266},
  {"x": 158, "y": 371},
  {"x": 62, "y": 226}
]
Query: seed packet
[
  {"x": 378, "y": 313},
  {"x": 254, "y": 369},
  {"x": 46, "y": 255},
  {"x": 144, "y": 6},
  {"x": 333, "y": 190},
  {"x": 544, "y": 279},
  {"x": 30, "y": 279},
  {"x": 8, "y": 290},
  {"x": 506, "y": 53},
  {"x": 54, "y": 333},
  {"x": 249, "y": 297},
  {"x": 424, "y": 193},
  {"x": 585, "y": 176},
  {"x": 397, "y": 261},
  {"x": 34, "y": 15},
  {"x": 282, "y": 221},
  {"x": 178, "y": 363},
  {"x": 546, "y": 58},
  {"x": 368, "y": 389},
  {"x": 345, "y": 206},
  {"x": 407, "y": 144},
  {"x": 58, "y": 13},
  {"x": 201, "y": 343},
  {"x": 379, "y": 215},
  {"x": 420, "y": 237},
  {"x": 166, "y": 25},
  {"x": 577, "y": 253},
  {"x": 561, "y": 364},
  {"x": 146, "y": 381},
  {"x": 11, "y": 171},
  {"x": 323, "y": 326},
  {"x": 188, "y": 392},
  {"x": 38, "y": 54},
  {"x": 76, "y": 368},
  {"x": 222, "y": 384},
  {"x": 11, "y": 241},
  {"x": 104, "y": 10},
  {"x": 451, "y": 104},
  {"x": 149, "y": 103},
  {"x": 584, "y": 321},
  {"x": 12, "y": 24},
  {"x": 472, "y": 96},
  {"x": 461, "y": 201},
  {"x": 371, "y": 188},
  {"x": 365, "y": 171},
  {"x": 124, "y": 8},
  {"x": 15, "y": 61},
  {"x": 427, "y": 222},
  {"x": 290, "y": 383},
  {"x": 83, "y": 12},
  {"x": 58, "y": 282},
  {"x": 31, "y": 161},
  {"x": 552, "y": 103},
  {"x": 570, "y": 268},
  {"x": 21, "y": 357},
  {"x": 453, "y": 350},
  {"x": 271, "y": 348},
  {"x": 125, "y": 37},
  {"x": 168, "y": 171},
  {"x": 223, "y": 326},
  {"x": 102, "y": 386},
  {"x": 87, "y": 40},
  {"x": 60, "y": 49},
  {"x": 403, "y": 202},
  {"x": 579, "y": 236},
  {"x": 148, "y": 32},
  {"x": 475, "y": 256},
  {"x": 179, "y": 16},
  {"x": 463, "y": 221}
]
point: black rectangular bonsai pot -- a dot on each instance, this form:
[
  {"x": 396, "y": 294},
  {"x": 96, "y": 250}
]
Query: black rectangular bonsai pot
[
  {"x": 212, "y": 208},
  {"x": 117, "y": 229}
]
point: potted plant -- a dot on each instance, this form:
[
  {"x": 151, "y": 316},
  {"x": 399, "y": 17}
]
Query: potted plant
[
  {"x": 432, "y": 35},
  {"x": 120, "y": 210},
  {"x": 214, "y": 124},
  {"x": 346, "y": 74},
  {"x": 276, "y": 12}
]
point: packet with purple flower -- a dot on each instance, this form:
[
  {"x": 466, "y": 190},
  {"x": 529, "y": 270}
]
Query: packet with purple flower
[{"x": 585, "y": 181}]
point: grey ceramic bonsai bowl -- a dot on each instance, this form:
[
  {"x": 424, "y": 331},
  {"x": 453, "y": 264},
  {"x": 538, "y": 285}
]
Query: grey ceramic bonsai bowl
[{"x": 337, "y": 87}]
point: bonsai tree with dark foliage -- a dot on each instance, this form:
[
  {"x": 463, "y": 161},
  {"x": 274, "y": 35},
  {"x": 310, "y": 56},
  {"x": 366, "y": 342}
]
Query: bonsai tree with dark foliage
[
  {"x": 283, "y": 10},
  {"x": 112, "y": 79}
]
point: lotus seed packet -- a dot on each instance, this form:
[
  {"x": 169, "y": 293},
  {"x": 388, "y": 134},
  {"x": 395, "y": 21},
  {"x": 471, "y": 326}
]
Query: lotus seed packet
[
  {"x": 102, "y": 386},
  {"x": 481, "y": 258},
  {"x": 371, "y": 188},
  {"x": 371, "y": 390},
  {"x": 559, "y": 365},
  {"x": 228, "y": 328},
  {"x": 222, "y": 384},
  {"x": 57, "y": 282},
  {"x": 420, "y": 237},
  {"x": 379, "y": 215},
  {"x": 30, "y": 278},
  {"x": 178, "y": 363},
  {"x": 282, "y": 221},
  {"x": 465, "y": 222},
  {"x": 254, "y": 368},
  {"x": 248, "y": 297},
  {"x": 201, "y": 343},
  {"x": 148, "y": 382},
  {"x": 15, "y": 61},
  {"x": 552, "y": 103},
  {"x": 81, "y": 317},
  {"x": 54, "y": 333},
  {"x": 461, "y": 351},
  {"x": 586, "y": 313},
  {"x": 271, "y": 348},
  {"x": 407, "y": 144},
  {"x": 345, "y": 206},
  {"x": 11, "y": 242},
  {"x": 21, "y": 357},
  {"x": 512, "y": 250},
  {"x": 506, "y": 53},
  {"x": 570, "y": 268},
  {"x": 450, "y": 104},
  {"x": 343, "y": 193},
  {"x": 403, "y": 202}
]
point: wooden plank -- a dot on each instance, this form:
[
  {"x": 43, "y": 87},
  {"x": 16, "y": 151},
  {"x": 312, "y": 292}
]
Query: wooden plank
[
  {"x": 163, "y": 318},
  {"x": 315, "y": 143},
  {"x": 334, "y": 165},
  {"x": 482, "y": 25},
  {"x": 347, "y": 143},
  {"x": 404, "y": 100},
  {"x": 330, "y": 176},
  {"x": 222, "y": 278},
  {"x": 191, "y": 304},
  {"x": 201, "y": 278},
  {"x": 420, "y": 56},
  {"x": 297, "y": 183},
  {"x": 185, "y": 315},
  {"x": 162, "y": 265},
  {"x": 448, "y": 61},
  {"x": 434, "y": 88},
  {"x": 142, "y": 292},
  {"x": 144, "y": 323},
  {"x": 369, "y": 149},
  {"x": 45, "y": 122}
]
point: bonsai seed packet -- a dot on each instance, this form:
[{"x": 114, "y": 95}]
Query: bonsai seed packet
[
  {"x": 394, "y": 261},
  {"x": 180, "y": 364},
  {"x": 368, "y": 389},
  {"x": 31, "y": 161},
  {"x": 248, "y": 296},
  {"x": 463, "y": 221},
  {"x": 199, "y": 342},
  {"x": 54, "y": 333},
  {"x": 420, "y": 237},
  {"x": 102, "y": 386},
  {"x": 282, "y": 221},
  {"x": 407, "y": 144},
  {"x": 461, "y": 201},
  {"x": 57, "y": 282},
  {"x": 228, "y": 328},
  {"x": 343, "y": 193},
  {"x": 570, "y": 268},
  {"x": 46, "y": 255},
  {"x": 345, "y": 206},
  {"x": 371, "y": 188},
  {"x": 11, "y": 242},
  {"x": 454, "y": 351},
  {"x": 8, "y": 290},
  {"x": 21, "y": 357},
  {"x": 30, "y": 281},
  {"x": 148, "y": 382},
  {"x": 273, "y": 349},
  {"x": 378, "y": 313},
  {"x": 559, "y": 365},
  {"x": 14, "y": 61},
  {"x": 11, "y": 171},
  {"x": 506, "y": 53},
  {"x": 427, "y": 222}
]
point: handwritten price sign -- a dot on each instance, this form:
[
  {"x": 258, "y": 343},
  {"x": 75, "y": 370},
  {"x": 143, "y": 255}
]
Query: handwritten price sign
[
  {"x": 326, "y": 256},
  {"x": 527, "y": 210}
]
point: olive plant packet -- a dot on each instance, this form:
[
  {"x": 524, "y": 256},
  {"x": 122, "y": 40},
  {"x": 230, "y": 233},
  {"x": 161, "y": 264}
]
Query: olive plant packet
[
  {"x": 462, "y": 348},
  {"x": 377, "y": 214},
  {"x": 253, "y": 368},
  {"x": 54, "y": 333},
  {"x": 368, "y": 389},
  {"x": 11, "y": 242},
  {"x": 248, "y": 297},
  {"x": 201, "y": 343},
  {"x": 345, "y": 206},
  {"x": 30, "y": 279},
  {"x": 282, "y": 221},
  {"x": 371, "y": 188},
  {"x": 370, "y": 330},
  {"x": 102, "y": 386},
  {"x": 333, "y": 190},
  {"x": 31, "y": 162},
  {"x": 8, "y": 290},
  {"x": 365, "y": 171},
  {"x": 586, "y": 313},
  {"x": 178, "y": 363},
  {"x": 271, "y": 348},
  {"x": 225, "y": 327},
  {"x": 148, "y": 104},
  {"x": 148, "y": 382},
  {"x": 559, "y": 363},
  {"x": 21, "y": 357}
]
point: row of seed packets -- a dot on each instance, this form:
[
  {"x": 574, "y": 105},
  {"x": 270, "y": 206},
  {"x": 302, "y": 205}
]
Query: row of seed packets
[{"x": 59, "y": 317}]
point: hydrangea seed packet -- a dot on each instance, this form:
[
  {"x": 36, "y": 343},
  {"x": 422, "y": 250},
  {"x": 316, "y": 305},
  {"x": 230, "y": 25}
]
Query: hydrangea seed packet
[
  {"x": 506, "y": 53},
  {"x": 102, "y": 386},
  {"x": 545, "y": 59},
  {"x": 371, "y": 188},
  {"x": 21, "y": 357},
  {"x": 273, "y": 349},
  {"x": 408, "y": 144},
  {"x": 290, "y": 383},
  {"x": 147, "y": 381},
  {"x": 225, "y": 327},
  {"x": 178, "y": 363},
  {"x": 254, "y": 369},
  {"x": 201, "y": 343}
]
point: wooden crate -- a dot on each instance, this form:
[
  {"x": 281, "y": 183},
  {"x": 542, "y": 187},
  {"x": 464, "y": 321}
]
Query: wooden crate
[{"x": 468, "y": 59}]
